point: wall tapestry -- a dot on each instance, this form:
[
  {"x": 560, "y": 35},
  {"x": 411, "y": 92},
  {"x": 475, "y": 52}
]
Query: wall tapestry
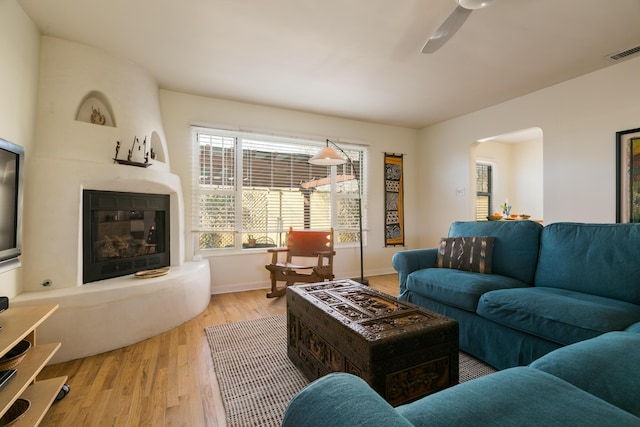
[{"x": 394, "y": 205}]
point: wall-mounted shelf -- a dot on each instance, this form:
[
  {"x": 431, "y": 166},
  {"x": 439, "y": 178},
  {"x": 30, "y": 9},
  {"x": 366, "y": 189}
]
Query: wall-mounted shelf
[{"x": 130, "y": 163}]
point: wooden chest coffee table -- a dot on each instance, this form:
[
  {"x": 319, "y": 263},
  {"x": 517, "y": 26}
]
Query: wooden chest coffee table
[{"x": 404, "y": 352}]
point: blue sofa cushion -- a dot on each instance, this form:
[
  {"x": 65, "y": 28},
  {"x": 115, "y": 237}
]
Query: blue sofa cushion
[
  {"x": 558, "y": 315},
  {"x": 607, "y": 366},
  {"x": 515, "y": 250},
  {"x": 599, "y": 259},
  {"x": 340, "y": 399},
  {"x": 457, "y": 288},
  {"x": 466, "y": 253},
  {"x": 514, "y": 397}
]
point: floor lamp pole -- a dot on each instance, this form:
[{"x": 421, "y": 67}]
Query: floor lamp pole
[
  {"x": 329, "y": 157},
  {"x": 362, "y": 279}
]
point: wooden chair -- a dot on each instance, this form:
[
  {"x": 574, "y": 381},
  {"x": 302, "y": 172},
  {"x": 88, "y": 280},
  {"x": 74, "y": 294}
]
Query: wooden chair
[{"x": 302, "y": 244}]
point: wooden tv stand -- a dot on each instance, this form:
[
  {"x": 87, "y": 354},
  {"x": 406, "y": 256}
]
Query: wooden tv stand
[{"x": 17, "y": 324}]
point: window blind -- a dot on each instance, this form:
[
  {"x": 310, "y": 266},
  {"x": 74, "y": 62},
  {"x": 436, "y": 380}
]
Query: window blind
[
  {"x": 249, "y": 189},
  {"x": 483, "y": 191}
]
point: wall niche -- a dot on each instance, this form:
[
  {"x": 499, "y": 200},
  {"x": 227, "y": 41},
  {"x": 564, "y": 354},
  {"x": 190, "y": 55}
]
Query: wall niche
[
  {"x": 96, "y": 109},
  {"x": 157, "y": 147}
]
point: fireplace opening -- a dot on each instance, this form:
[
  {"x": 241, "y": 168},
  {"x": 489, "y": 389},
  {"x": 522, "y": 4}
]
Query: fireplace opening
[{"x": 123, "y": 233}]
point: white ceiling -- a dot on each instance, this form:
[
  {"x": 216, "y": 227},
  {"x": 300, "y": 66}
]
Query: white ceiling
[{"x": 357, "y": 59}]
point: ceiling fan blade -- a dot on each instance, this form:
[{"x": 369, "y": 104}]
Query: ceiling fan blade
[{"x": 447, "y": 29}]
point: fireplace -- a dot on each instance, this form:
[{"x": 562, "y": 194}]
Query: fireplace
[{"x": 123, "y": 233}]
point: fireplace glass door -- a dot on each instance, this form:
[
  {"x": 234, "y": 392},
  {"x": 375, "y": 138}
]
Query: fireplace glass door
[{"x": 124, "y": 233}]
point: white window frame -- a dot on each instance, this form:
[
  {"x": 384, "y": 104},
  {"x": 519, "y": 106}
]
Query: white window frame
[{"x": 349, "y": 233}]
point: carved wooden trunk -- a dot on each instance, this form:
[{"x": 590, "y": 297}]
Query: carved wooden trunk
[{"x": 404, "y": 352}]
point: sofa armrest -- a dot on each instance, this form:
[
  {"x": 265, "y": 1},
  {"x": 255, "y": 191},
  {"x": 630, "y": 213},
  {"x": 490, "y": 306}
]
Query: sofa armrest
[
  {"x": 340, "y": 399},
  {"x": 607, "y": 366},
  {"x": 406, "y": 262}
]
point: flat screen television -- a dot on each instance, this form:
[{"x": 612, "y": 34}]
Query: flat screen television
[{"x": 11, "y": 193}]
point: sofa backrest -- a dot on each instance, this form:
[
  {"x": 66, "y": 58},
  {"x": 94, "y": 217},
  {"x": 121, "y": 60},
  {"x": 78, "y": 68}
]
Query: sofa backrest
[
  {"x": 515, "y": 249},
  {"x": 597, "y": 259}
]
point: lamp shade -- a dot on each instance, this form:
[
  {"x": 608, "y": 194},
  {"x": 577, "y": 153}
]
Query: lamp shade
[
  {"x": 327, "y": 157},
  {"x": 475, "y": 4}
]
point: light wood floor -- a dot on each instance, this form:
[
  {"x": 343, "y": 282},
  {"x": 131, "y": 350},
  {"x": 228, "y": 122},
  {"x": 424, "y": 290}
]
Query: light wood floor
[{"x": 167, "y": 380}]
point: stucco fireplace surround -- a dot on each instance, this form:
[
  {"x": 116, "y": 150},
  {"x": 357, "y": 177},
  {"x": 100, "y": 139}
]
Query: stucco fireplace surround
[{"x": 89, "y": 100}]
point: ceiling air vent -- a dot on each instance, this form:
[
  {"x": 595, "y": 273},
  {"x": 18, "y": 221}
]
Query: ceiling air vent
[{"x": 625, "y": 54}]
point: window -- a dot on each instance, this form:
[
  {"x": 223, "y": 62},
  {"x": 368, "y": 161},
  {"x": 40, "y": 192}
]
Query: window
[
  {"x": 249, "y": 189},
  {"x": 484, "y": 191}
]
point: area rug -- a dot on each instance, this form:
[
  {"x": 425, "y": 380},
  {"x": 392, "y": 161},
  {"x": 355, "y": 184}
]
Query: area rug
[{"x": 257, "y": 380}]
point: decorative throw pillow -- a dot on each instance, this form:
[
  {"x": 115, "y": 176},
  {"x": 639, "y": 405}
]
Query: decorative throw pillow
[{"x": 466, "y": 253}]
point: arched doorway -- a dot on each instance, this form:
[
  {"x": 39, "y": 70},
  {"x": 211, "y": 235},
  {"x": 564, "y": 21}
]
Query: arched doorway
[{"x": 513, "y": 165}]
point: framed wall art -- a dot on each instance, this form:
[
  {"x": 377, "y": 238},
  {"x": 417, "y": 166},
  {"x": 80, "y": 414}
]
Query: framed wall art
[{"x": 628, "y": 176}]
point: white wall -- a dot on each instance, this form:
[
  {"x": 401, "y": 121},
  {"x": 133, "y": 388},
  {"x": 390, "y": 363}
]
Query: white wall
[
  {"x": 527, "y": 192},
  {"x": 579, "y": 119},
  {"x": 246, "y": 271},
  {"x": 19, "y": 50}
]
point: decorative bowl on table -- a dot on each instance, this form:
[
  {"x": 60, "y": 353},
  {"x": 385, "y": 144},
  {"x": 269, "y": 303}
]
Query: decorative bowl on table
[
  {"x": 148, "y": 274},
  {"x": 524, "y": 216},
  {"x": 494, "y": 217}
]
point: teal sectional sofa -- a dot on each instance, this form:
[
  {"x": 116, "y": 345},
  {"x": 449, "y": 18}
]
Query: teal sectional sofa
[
  {"x": 541, "y": 288},
  {"x": 590, "y": 383}
]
